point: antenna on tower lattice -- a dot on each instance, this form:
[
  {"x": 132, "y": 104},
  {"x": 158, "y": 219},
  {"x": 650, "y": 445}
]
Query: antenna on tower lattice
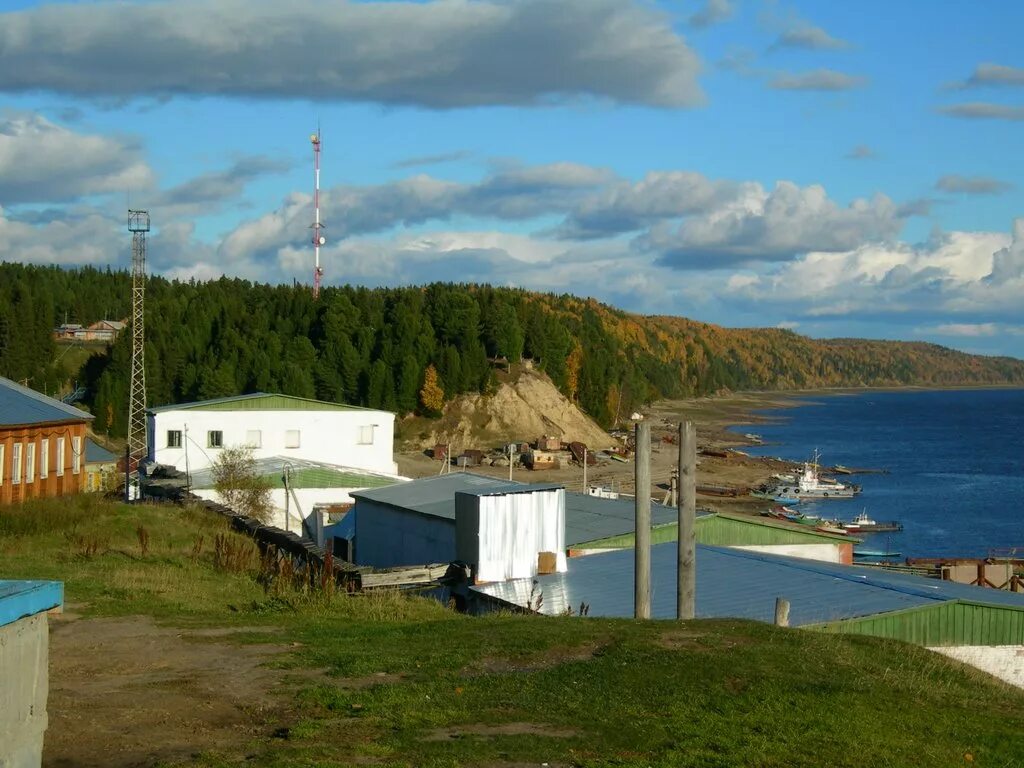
[
  {"x": 318, "y": 237},
  {"x": 138, "y": 225}
]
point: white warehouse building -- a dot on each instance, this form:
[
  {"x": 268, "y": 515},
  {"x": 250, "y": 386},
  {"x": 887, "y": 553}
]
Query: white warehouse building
[{"x": 190, "y": 436}]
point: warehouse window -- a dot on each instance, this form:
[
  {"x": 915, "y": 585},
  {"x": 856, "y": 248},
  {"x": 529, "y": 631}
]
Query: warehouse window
[
  {"x": 174, "y": 438},
  {"x": 44, "y": 459},
  {"x": 60, "y": 457},
  {"x": 76, "y": 455},
  {"x": 292, "y": 438},
  {"x": 30, "y": 463},
  {"x": 215, "y": 439},
  {"x": 16, "y": 463},
  {"x": 366, "y": 434},
  {"x": 254, "y": 438}
]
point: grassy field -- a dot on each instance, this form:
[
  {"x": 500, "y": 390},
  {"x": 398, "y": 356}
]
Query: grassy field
[{"x": 402, "y": 681}]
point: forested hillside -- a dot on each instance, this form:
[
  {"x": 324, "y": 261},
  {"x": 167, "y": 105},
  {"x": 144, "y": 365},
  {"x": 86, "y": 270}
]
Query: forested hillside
[{"x": 377, "y": 347}]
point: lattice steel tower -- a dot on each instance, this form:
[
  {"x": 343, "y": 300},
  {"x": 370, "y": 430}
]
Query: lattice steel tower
[{"x": 138, "y": 225}]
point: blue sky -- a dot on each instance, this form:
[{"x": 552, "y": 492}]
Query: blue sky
[{"x": 842, "y": 169}]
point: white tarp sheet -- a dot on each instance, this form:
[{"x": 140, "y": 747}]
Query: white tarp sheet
[{"x": 514, "y": 528}]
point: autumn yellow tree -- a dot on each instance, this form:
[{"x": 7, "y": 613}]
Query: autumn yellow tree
[
  {"x": 572, "y": 371},
  {"x": 431, "y": 394}
]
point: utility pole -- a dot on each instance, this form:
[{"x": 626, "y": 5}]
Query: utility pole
[
  {"x": 686, "y": 564},
  {"x": 138, "y": 225},
  {"x": 511, "y": 450},
  {"x": 642, "y": 554}
]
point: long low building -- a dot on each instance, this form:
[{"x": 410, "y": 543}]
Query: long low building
[
  {"x": 742, "y": 584},
  {"x": 415, "y": 523}
]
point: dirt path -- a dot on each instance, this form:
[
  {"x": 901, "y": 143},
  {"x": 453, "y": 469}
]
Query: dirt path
[{"x": 126, "y": 692}]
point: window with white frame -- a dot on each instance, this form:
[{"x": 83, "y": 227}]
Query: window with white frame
[
  {"x": 292, "y": 438},
  {"x": 254, "y": 438},
  {"x": 215, "y": 439},
  {"x": 30, "y": 462},
  {"x": 60, "y": 457},
  {"x": 16, "y": 463},
  {"x": 1, "y": 463},
  {"x": 44, "y": 458},
  {"x": 366, "y": 434},
  {"x": 76, "y": 455},
  {"x": 174, "y": 438}
]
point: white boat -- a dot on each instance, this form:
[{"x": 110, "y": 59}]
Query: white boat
[{"x": 811, "y": 485}]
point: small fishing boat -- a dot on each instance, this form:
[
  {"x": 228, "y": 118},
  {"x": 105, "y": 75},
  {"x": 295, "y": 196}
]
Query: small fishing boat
[{"x": 864, "y": 524}]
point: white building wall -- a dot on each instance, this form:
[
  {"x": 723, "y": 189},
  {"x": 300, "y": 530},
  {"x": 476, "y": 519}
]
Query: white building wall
[
  {"x": 307, "y": 499},
  {"x": 331, "y": 437},
  {"x": 1003, "y": 661}
]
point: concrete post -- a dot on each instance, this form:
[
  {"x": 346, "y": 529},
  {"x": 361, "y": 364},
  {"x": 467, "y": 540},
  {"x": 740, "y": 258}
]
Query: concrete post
[
  {"x": 781, "y": 612},
  {"x": 686, "y": 510},
  {"x": 642, "y": 558},
  {"x": 584, "y": 470}
]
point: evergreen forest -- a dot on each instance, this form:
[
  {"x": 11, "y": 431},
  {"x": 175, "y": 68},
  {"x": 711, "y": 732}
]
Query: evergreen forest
[{"x": 412, "y": 349}]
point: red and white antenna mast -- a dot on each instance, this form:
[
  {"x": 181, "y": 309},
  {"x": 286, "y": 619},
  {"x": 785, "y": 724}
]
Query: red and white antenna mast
[{"x": 318, "y": 238}]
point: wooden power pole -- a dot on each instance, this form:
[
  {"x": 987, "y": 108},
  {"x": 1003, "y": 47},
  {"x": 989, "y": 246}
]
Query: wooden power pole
[
  {"x": 642, "y": 560},
  {"x": 686, "y": 563}
]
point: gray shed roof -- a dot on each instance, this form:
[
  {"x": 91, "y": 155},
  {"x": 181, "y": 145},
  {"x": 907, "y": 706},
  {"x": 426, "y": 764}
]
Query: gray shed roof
[
  {"x": 436, "y": 495},
  {"x": 589, "y": 518},
  {"x": 21, "y": 405},
  {"x": 96, "y": 453},
  {"x": 740, "y": 584}
]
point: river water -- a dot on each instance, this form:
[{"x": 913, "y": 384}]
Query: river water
[{"x": 955, "y": 461}]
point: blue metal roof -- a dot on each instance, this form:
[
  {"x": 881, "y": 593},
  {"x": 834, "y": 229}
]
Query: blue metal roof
[
  {"x": 589, "y": 518},
  {"x": 740, "y": 584},
  {"x": 21, "y": 405},
  {"x": 96, "y": 453},
  {"x": 26, "y": 598},
  {"x": 436, "y": 495}
]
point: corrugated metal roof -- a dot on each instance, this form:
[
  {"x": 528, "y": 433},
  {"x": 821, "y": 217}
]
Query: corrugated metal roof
[
  {"x": 96, "y": 453},
  {"x": 590, "y": 518},
  {"x": 261, "y": 401},
  {"x": 21, "y": 405},
  {"x": 305, "y": 474},
  {"x": 436, "y": 495},
  {"x": 739, "y": 584}
]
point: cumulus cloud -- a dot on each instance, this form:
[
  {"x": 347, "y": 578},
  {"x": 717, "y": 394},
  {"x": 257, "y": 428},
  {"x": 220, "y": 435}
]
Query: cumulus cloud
[
  {"x": 955, "y": 274},
  {"x": 761, "y": 226},
  {"x": 625, "y": 207},
  {"x": 808, "y": 36},
  {"x": 210, "y": 191},
  {"x": 817, "y": 80},
  {"x": 972, "y": 185},
  {"x": 441, "y": 54},
  {"x": 983, "y": 110},
  {"x": 713, "y": 12},
  {"x": 44, "y": 162}
]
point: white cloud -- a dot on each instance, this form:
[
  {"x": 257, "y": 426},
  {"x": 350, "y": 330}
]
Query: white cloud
[
  {"x": 440, "y": 54},
  {"x": 44, "y": 162}
]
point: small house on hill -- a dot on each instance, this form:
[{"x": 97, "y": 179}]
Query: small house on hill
[{"x": 42, "y": 445}]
